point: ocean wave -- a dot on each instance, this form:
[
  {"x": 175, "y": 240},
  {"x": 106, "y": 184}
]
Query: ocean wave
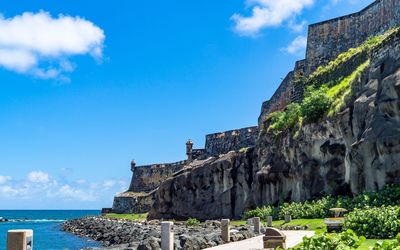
[{"x": 36, "y": 220}]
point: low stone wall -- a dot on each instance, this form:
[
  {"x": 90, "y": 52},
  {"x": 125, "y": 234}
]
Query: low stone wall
[{"x": 234, "y": 140}]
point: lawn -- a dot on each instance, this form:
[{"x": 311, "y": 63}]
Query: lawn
[
  {"x": 316, "y": 225},
  {"x": 127, "y": 216}
]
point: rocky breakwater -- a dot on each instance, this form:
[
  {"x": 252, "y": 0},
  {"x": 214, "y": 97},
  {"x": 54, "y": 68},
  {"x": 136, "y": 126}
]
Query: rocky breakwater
[{"x": 125, "y": 234}]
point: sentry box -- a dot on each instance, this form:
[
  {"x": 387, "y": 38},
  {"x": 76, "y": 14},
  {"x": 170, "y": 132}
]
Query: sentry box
[{"x": 20, "y": 239}]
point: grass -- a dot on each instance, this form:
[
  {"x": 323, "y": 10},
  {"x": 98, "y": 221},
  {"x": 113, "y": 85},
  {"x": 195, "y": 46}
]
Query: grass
[
  {"x": 367, "y": 244},
  {"x": 316, "y": 225},
  {"x": 341, "y": 91},
  {"x": 134, "y": 217}
]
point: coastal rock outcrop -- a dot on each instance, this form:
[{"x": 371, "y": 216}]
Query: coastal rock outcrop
[{"x": 219, "y": 188}]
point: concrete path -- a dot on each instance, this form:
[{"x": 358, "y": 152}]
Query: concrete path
[{"x": 292, "y": 239}]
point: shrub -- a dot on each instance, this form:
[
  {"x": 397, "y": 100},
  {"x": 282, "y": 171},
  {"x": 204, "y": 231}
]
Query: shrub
[
  {"x": 380, "y": 222},
  {"x": 284, "y": 120},
  {"x": 315, "y": 104},
  {"x": 388, "y": 244},
  {"x": 345, "y": 240},
  {"x": 192, "y": 222},
  {"x": 262, "y": 212},
  {"x": 388, "y": 196},
  {"x": 308, "y": 209}
]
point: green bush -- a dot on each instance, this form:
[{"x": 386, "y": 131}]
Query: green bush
[
  {"x": 308, "y": 209},
  {"x": 262, "y": 212},
  {"x": 388, "y": 196},
  {"x": 345, "y": 240},
  {"x": 192, "y": 222},
  {"x": 375, "y": 223},
  {"x": 281, "y": 121},
  {"x": 388, "y": 244},
  {"x": 315, "y": 104}
]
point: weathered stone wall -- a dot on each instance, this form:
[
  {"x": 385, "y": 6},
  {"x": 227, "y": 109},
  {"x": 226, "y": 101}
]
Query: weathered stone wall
[
  {"x": 326, "y": 40},
  {"x": 147, "y": 178},
  {"x": 233, "y": 140}
]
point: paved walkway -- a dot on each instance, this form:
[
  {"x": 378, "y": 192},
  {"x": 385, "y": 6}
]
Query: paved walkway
[{"x": 292, "y": 239}]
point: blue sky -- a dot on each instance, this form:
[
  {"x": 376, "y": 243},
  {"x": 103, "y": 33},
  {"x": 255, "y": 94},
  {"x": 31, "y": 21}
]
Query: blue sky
[{"x": 89, "y": 85}]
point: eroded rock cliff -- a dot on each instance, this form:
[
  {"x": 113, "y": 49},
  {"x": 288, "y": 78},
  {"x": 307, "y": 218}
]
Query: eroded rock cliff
[{"x": 356, "y": 150}]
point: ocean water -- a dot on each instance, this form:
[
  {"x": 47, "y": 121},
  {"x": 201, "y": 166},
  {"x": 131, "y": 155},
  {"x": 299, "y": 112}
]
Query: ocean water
[{"x": 46, "y": 226}]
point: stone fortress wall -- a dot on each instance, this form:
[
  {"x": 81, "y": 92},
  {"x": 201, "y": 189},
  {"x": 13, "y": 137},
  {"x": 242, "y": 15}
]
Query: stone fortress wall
[
  {"x": 326, "y": 40},
  {"x": 146, "y": 179},
  {"x": 234, "y": 140},
  {"x": 149, "y": 177}
]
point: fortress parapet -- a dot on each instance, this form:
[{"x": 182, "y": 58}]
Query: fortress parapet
[
  {"x": 327, "y": 39},
  {"x": 149, "y": 177},
  {"x": 233, "y": 140}
]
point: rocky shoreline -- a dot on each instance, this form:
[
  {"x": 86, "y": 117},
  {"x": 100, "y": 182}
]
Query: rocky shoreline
[{"x": 118, "y": 234}]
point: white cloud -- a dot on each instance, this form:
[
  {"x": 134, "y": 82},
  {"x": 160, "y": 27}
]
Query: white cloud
[
  {"x": 8, "y": 191},
  {"x": 39, "y": 186},
  {"x": 267, "y": 13},
  {"x": 109, "y": 184},
  {"x": 40, "y": 45},
  {"x": 4, "y": 179},
  {"x": 69, "y": 192},
  {"x": 38, "y": 177},
  {"x": 297, "y": 27},
  {"x": 297, "y": 46}
]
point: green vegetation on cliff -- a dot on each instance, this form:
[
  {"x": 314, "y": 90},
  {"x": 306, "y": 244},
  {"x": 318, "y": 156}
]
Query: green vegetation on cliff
[
  {"x": 341, "y": 93},
  {"x": 329, "y": 89},
  {"x": 337, "y": 64}
]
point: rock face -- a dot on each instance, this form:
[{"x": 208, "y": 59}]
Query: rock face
[
  {"x": 354, "y": 151},
  {"x": 219, "y": 188}
]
